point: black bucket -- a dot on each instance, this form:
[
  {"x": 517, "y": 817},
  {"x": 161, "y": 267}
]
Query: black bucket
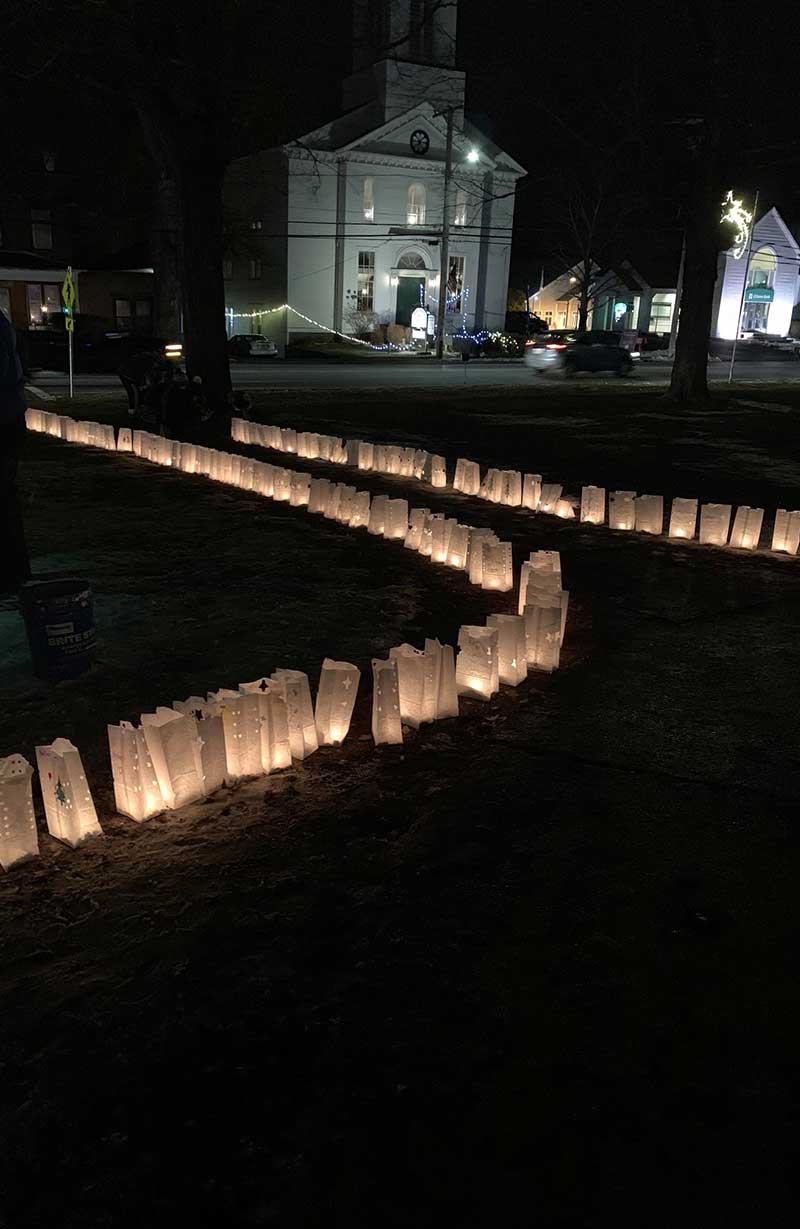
[{"x": 59, "y": 617}]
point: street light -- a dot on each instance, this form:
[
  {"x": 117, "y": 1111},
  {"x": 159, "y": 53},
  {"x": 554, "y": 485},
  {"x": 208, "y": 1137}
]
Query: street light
[{"x": 473, "y": 155}]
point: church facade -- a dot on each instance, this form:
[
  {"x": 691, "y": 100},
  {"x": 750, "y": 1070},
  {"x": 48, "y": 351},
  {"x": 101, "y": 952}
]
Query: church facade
[{"x": 344, "y": 224}]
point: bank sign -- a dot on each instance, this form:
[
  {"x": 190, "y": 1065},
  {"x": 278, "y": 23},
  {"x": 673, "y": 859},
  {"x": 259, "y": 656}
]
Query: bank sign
[{"x": 758, "y": 294}]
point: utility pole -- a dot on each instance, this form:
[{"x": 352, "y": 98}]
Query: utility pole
[
  {"x": 676, "y": 307},
  {"x": 444, "y": 260}
]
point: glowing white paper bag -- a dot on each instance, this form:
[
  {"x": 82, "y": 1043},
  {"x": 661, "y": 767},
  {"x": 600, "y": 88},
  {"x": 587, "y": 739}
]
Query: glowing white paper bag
[
  {"x": 331, "y": 512},
  {"x": 786, "y": 533},
  {"x": 396, "y": 522},
  {"x": 136, "y": 790},
  {"x": 458, "y": 547},
  {"x": 476, "y": 664},
  {"x": 380, "y": 459},
  {"x": 241, "y": 724},
  {"x": 413, "y": 667},
  {"x": 435, "y": 471},
  {"x": 18, "y": 836},
  {"x": 593, "y": 505},
  {"x": 407, "y": 462},
  {"x": 336, "y": 697},
  {"x": 442, "y": 679},
  {"x": 416, "y": 524},
  {"x": 175, "y": 751},
  {"x": 359, "y": 518},
  {"x": 622, "y": 509},
  {"x": 288, "y": 439},
  {"x": 377, "y": 514},
  {"x": 511, "y": 495},
  {"x": 479, "y": 540},
  {"x": 274, "y": 722},
  {"x": 512, "y": 661},
  {"x": 319, "y": 494},
  {"x": 365, "y": 455},
  {"x": 67, "y": 799},
  {"x": 715, "y": 521},
  {"x": 566, "y": 508},
  {"x": 441, "y": 531},
  {"x": 498, "y": 571},
  {"x": 299, "y": 484},
  {"x": 281, "y": 483},
  {"x": 746, "y": 527},
  {"x": 426, "y": 539},
  {"x": 420, "y": 461},
  {"x": 263, "y": 476},
  {"x": 352, "y": 449},
  {"x": 212, "y": 738},
  {"x": 543, "y": 635},
  {"x": 471, "y": 478},
  {"x": 394, "y": 458},
  {"x": 649, "y": 513},
  {"x": 536, "y": 582},
  {"x": 492, "y": 486},
  {"x": 683, "y": 518},
  {"x": 549, "y": 497},
  {"x": 124, "y": 440},
  {"x": 531, "y": 491},
  {"x": 299, "y": 711},
  {"x": 386, "y": 725},
  {"x": 344, "y": 512}
]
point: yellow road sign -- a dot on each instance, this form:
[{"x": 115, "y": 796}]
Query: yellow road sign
[{"x": 68, "y": 290}]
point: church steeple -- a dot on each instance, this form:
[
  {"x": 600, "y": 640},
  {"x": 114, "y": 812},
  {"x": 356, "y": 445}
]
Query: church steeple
[{"x": 404, "y": 51}]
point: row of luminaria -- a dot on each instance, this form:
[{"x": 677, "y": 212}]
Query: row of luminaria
[
  {"x": 719, "y": 525},
  {"x": 182, "y": 753}
]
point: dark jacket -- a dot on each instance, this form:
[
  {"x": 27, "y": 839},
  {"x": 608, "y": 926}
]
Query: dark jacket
[{"x": 12, "y": 377}]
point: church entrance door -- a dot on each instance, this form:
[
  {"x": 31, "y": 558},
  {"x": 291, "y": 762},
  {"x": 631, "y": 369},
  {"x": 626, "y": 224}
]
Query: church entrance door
[{"x": 409, "y": 296}]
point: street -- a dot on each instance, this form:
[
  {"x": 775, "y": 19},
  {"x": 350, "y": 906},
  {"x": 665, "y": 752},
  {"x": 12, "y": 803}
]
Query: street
[{"x": 403, "y": 373}]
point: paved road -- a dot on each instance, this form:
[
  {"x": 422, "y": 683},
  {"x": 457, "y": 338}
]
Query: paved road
[{"x": 414, "y": 374}]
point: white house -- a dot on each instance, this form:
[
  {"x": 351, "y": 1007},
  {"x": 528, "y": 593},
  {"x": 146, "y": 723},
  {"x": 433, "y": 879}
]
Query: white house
[
  {"x": 772, "y": 285},
  {"x": 344, "y": 223}
]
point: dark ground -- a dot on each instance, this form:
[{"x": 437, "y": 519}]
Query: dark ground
[{"x": 536, "y": 968}]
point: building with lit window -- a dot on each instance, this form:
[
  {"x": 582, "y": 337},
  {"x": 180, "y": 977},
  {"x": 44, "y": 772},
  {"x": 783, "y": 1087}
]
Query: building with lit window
[
  {"x": 771, "y": 281},
  {"x": 344, "y": 223}
]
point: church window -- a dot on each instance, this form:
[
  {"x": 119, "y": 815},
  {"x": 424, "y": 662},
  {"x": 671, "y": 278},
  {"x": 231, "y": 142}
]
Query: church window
[
  {"x": 255, "y": 269},
  {"x": 416, "y": 205},
  {"x": 455, "y": 282},
  {"x": 460, "y": 215},
  {"x": 411, "y": 260},
  {"x": 366, "y": 281},
  {"x": 369, "y": 200}
]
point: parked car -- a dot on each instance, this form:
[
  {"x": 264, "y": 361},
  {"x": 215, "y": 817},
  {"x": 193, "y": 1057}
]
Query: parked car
[
  {"x": 251, "y": 345},
  {"x": 568, "y": 351}
]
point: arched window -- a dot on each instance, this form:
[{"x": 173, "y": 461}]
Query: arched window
[
  {"x": 763, "y": 265},
  {"x": 369, "y": 200},
  {"x": 411, "y": 260},
  {"x": 415, "y": 215}
]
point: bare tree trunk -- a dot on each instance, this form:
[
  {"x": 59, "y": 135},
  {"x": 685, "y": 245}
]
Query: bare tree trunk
[
  {"x": 205, "y": 345},
  {"x": 689, "y": 380},
  {"x": 166, "y": 258},
  {"x": 583, "y": 309}
]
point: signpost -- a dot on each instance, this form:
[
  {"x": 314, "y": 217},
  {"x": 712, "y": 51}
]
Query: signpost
[{"x": 68, "y": 296}]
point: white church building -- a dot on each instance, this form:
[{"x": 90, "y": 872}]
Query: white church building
[{"x": 341, "y": 229}]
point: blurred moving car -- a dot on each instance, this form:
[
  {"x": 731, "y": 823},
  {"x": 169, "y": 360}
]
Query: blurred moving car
[
  {"x": 569, "y": 351},
  {"x": 251, "y": 345}
]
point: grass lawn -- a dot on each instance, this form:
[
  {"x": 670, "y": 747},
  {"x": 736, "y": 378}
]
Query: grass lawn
[{"x": 535, "y": 962}]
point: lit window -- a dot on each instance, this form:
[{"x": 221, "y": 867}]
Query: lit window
[
  {"x": 369, "y": 200},
  {"x": 460, "y": 216},
  {"x": 41, "y": 229},
  {"x": 257, "y": 225},
  {"x": 255, "y": 269},
  {"x": 455, "y": 282},
  {"x": 44, "y": 304},
  {"x": 227, "y": 269},
  {"x": 49, "y": 161},
  {"x": 416, "y": 205},
  {"x": 366, "y": 281},
  {"x": 763, "y": 265}
]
